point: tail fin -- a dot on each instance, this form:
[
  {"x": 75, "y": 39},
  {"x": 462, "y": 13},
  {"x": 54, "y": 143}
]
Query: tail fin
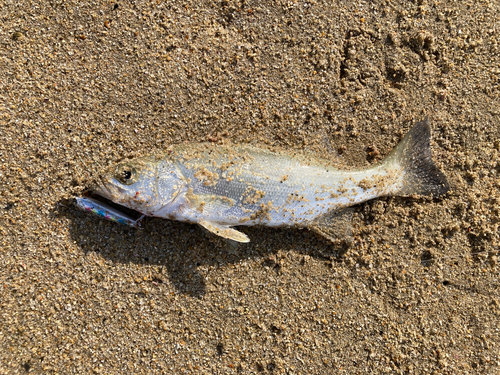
[{"x": 413, "y": 154}]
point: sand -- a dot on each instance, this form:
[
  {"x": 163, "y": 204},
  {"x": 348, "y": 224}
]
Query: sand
[{"x": 83, "y": 84}]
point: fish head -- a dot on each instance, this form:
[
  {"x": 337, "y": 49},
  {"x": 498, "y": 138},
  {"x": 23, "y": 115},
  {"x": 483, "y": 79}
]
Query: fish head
[{"x": 132, "y": 184}]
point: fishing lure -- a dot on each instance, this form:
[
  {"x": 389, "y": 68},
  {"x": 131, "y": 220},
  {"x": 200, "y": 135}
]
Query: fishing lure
[{"x": 107, "y": 212}]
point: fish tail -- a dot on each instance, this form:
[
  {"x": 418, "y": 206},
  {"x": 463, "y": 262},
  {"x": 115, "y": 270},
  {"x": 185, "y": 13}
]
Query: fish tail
[{"x": 413, "y": 154}]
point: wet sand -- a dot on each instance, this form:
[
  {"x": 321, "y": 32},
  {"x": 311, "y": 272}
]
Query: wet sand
[{"x": 82, "y": 86}]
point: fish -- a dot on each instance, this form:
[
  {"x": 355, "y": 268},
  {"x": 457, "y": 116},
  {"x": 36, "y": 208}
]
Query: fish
[
  {"x": 220, "y": 187},
  {"x": 105, "y": 211}
]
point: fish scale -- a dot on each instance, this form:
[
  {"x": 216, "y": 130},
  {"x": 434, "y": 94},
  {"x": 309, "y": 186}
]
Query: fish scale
[{"x": 296, "y": 194}]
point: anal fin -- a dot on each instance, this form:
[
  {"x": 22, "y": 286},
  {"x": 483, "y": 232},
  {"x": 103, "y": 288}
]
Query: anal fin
[
  {"x": 224, "y": 231},
  {"x": 336, "y": 226}
]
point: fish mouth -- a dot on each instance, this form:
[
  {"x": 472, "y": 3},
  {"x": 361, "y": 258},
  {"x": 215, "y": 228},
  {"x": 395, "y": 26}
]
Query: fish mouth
[
  {"x": 117, "y": 195},
  {"x": 105, "y": 192},
  {"x": 101, "y": 189}
]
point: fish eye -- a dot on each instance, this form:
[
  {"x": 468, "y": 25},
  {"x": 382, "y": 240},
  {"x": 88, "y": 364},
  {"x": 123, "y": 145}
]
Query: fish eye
[{"x": 126, "y": 174}]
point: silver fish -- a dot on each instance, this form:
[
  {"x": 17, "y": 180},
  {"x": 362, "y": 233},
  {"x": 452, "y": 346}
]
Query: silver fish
[{"x": 219, "y": 187}]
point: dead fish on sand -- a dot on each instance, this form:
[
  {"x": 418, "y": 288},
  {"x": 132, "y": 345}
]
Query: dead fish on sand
[{"x": 219, "y": 187}]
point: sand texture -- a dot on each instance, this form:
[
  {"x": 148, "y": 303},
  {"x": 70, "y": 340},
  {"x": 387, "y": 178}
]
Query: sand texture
[{"x": 84, "y": 84}]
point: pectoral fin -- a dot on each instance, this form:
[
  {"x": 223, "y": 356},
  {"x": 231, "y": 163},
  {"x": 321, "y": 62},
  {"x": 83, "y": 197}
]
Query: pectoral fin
[
  {"x": 224, "y": 231},
  {"x": 335, "y": 226}
]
